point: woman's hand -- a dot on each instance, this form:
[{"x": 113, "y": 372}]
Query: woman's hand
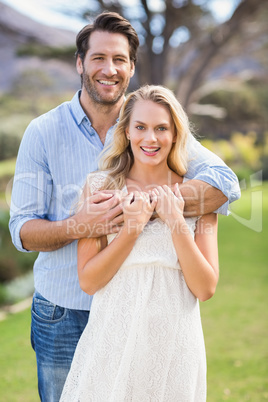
[
  {"x": 138, "y": 208},
  {"x": 169, "y": 206}
]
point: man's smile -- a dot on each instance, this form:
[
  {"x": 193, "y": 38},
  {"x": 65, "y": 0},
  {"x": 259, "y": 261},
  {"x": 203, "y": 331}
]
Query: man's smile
[{"x": 110, "y": 83}]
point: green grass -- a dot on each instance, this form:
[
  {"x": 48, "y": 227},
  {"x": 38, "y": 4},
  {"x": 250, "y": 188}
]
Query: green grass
[
  {"x": 234, "y": 321},
  {"x": 17, "y": 360}
]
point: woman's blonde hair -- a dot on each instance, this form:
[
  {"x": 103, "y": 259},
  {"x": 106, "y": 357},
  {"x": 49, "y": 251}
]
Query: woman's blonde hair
[{"x": 117, "y": 158}]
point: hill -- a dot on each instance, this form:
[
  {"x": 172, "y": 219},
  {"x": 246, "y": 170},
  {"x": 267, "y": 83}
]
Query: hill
[{"x": 18, "y": 31}]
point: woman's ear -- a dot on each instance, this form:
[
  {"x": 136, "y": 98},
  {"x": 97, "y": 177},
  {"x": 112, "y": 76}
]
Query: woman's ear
[
  {"x": 174, "y": 139},
  {"x": 127, "y": 134}
]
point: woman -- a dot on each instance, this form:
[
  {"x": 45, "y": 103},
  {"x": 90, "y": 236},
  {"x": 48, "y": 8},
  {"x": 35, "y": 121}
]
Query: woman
[{"x": 144, "y": 339}]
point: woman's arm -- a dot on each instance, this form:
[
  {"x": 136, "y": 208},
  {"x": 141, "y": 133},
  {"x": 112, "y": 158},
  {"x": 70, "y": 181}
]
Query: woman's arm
[
  {"x": 198, "y": 258},
  {"x": 98, "y": 262},
  {"x": 96, "y": 269}
]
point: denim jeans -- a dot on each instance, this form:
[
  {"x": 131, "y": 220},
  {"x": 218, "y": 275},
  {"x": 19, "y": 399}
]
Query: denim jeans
[{"x": 55, "y": 332}]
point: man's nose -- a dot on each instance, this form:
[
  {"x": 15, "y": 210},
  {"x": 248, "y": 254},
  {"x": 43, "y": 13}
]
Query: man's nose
[{"x": 109, "y": 68}]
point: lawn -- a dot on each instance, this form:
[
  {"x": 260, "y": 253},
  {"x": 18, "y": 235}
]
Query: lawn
[
  {"x": 235, "y": 320},
  {"x": 17, "y": 360}
]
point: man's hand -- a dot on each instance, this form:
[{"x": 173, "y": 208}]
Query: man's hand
[{"x": 100, "y": 214}]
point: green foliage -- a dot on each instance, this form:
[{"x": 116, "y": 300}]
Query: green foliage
[
  {"x": 66, "y": 53},
  {"x": 17, "y": 104},
  {"x": 18, "y": 289},
  {"x": 27, "y": 101},
  {"x": 7, "y": 167},
  {"x": 32, "y": 82},
  {"x": 243, "y": 153},
  {"x": 13, "y": 263},
  {"x": 3, "y": 294},
  {"x": 242, "y": 103},
  {"x": 9, "y": 146},
  {"x": 246, "y": 110}
]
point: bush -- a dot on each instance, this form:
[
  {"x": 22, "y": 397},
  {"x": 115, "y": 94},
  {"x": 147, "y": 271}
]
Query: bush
[
  {"x": 3, "y": 294},
  {"x": 13, "y": 263},
  {"x": 242, "y": 153},
  {"x": 66, "y": 53},
  {"x": 246, "y": 110},
  {"x": 9, "y": 146}
]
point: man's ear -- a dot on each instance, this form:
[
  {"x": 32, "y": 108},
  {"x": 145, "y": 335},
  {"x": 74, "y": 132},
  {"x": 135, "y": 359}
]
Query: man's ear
[
  {"x": 79, "y": 65},
  {"x": 132, "y": 71}
]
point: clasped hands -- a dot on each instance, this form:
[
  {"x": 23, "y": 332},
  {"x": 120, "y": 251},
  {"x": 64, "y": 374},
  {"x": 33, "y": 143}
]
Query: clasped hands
[
  {"x": 161, "y": 201},
  {"x": 106, "y": 211}
]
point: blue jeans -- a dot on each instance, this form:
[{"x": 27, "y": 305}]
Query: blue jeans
[{"x": 55, "y": 332}]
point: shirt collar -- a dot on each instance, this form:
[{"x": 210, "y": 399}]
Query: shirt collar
[{"x": 77, "y": 110}]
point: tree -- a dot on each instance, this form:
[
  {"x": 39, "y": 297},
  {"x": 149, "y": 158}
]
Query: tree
[{"x": 181, "y": 41}]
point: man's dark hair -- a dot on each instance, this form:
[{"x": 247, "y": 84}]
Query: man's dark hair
[{"x": 108, "y": 22}]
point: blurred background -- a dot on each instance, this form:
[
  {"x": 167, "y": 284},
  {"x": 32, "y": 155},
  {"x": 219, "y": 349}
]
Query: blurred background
[{"x": 213, "y": 55}]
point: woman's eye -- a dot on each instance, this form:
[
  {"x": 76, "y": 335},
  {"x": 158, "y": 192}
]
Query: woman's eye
[
  {"x": 139, "y": 127},
  {"x": 162, "y": 128}
]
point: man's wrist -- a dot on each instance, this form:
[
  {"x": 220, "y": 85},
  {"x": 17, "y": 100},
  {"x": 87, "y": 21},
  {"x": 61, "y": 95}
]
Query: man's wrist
[{"x": 75, "y": 230}]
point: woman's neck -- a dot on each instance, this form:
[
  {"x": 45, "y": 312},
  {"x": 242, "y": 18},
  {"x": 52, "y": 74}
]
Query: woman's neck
[{"x": 145, "y": 180}]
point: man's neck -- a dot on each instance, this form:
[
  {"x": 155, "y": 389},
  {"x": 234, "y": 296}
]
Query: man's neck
[{"x": 102, "y": 117}]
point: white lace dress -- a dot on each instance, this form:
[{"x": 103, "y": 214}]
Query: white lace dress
[{"x": 144, "y": 339}]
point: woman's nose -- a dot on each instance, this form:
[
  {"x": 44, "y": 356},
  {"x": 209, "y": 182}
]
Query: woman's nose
[{"x": 151, "y": 136}]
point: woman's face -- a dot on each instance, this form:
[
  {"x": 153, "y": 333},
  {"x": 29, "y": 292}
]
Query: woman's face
[{"x": 151, "y": 133}]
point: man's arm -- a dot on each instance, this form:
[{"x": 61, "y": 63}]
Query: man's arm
[
  {"x": 33, "y": 226},
  {"x": 101, "y": 214},
  {"x": 212, "y": 185},
  {"x": 201, "y": 198}
]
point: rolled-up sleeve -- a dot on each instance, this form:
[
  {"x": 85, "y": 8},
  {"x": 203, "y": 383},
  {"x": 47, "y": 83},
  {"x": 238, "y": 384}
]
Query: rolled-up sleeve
[
  {"x": 31, "y": 190},
  {"x": 206, "y": 166}
]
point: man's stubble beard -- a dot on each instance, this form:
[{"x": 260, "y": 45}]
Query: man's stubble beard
[{"x": 95, "y": 95}]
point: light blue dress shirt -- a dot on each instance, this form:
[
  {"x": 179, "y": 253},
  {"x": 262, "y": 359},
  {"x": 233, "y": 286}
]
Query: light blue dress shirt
[{"x": 57, "y": 152}]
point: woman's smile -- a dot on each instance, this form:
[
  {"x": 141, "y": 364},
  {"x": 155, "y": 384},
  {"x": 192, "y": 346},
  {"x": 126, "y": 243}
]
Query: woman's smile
[{"x": 150, "y": 151}]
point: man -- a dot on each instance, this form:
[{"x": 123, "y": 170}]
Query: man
[{"x": 57, "y": 152}]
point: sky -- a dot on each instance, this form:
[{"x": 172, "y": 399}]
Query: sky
[{"x": 48, "y": 11}]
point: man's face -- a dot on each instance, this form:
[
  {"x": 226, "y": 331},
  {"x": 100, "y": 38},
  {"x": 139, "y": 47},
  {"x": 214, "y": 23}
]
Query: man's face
[{"x": 106, "y": 69}]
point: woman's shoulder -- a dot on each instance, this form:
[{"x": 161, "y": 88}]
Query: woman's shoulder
[{"x": 96, "y": 180}]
